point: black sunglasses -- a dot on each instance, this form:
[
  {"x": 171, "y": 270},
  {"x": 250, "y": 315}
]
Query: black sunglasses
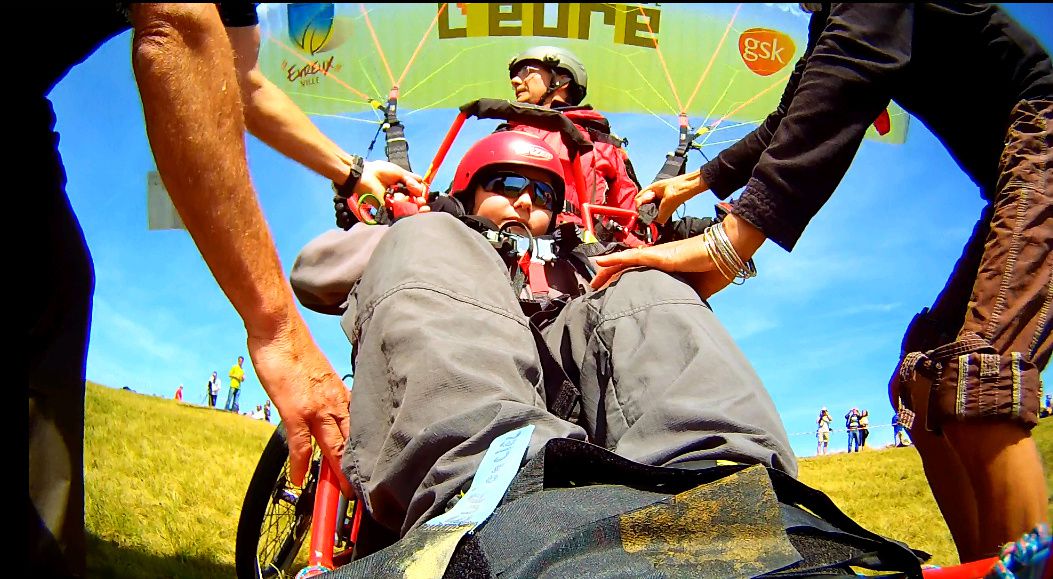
[{"x": 512, "y": 185}]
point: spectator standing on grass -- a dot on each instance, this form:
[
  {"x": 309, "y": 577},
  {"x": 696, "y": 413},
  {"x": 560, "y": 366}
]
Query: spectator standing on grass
[
  {"x": 864, "y": 428},
  {"x": 897, "y": 430},
  {"x": 179, "y": 393},
  {"x": 237, "y": 376},
  {"x": 823, "y": 433},
  {"x": 213, "y": 389},
  {"x": 267, "y": 411},
  {"x": 852, "y": 426}
]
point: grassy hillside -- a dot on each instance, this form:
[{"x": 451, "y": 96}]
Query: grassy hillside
[{"x": 165, "y": 482}]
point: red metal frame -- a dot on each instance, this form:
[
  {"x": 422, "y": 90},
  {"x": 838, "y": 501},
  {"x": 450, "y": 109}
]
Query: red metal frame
[
  {"x": 973, "y": 570},
  {"x": 325, "y": 520},
  {"x": 590, "y": 210}
]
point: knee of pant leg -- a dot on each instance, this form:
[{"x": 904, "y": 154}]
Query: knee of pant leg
[
  {"x": 428, "y": 225},
  {"x": 435, "y": 242},
  {"x": 983, "y": 385},
  {"x": 656, "y": 284}
]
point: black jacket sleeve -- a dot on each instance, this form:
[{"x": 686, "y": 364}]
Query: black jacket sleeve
[
  {"x": 729, "y": 171},
  {"x": 237, "y": 14},
  {"x": 843, "y": 86}
]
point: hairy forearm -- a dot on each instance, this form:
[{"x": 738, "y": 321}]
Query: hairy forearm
[
  {"x": 184, "y": 67},
  {"x": 274, "y": 119}
]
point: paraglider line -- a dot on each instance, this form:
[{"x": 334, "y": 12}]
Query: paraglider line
[
  {"x": 736, "y": 125},
  {"x": 747, "y": 102},
  {"x": 713, "y": 57},
  {"x": 326, "y": 73},
  {"x": 376, "y": 42},
  {"x": 440, "y": 69},
  {"x": 436, "y": 103},
  {"x": 321, "y": 97},
  {"x": 423, "y": 39},
  {"x": 654, "y": 114},
  {"x": 372, "y": 85},
  {"x": 705, "y": 144},
  {"x": 661, "y": 59},
  {"x": 369, "y": 149},
  {"x": 709, "y": 115},
  {"x": 345, "y": 117},
  {"x": 644, "y": 80}
]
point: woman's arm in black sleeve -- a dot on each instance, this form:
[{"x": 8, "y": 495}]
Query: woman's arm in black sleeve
[{"x": 845, "y": 85}]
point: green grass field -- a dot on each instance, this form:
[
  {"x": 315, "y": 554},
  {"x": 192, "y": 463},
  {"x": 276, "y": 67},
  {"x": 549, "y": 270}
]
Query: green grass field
[{"x": 165, "y": 483}]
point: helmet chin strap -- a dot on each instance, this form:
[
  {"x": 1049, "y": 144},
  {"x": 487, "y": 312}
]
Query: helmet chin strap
[{"x": 552, "y": 88}]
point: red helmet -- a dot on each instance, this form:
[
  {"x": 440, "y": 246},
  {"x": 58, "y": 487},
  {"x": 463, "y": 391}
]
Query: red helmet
[{"x": 506, "y": 148}]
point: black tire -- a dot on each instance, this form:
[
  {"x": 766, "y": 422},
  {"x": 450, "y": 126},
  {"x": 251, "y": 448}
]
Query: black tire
[{"x": 276, "y": 516}]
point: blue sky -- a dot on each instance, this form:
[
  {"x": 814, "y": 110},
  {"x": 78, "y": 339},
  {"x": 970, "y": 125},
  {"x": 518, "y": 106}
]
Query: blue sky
[{"x": 821, "y": 326}]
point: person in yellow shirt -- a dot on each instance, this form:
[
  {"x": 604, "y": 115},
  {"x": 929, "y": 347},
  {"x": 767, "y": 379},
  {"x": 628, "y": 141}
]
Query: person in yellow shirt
[{"x": 237, "y": 376}]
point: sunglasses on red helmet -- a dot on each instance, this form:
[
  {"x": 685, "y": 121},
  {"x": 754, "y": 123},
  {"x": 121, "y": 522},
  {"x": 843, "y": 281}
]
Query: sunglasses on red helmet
[{"x": 512, "y": 185}]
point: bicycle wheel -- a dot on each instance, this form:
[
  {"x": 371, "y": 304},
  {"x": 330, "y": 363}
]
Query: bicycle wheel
[{"x": 276, "y": 515}]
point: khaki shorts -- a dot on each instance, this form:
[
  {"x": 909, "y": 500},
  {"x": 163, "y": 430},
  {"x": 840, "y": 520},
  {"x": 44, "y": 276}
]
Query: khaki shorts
[{"x": 987, "y": 337}]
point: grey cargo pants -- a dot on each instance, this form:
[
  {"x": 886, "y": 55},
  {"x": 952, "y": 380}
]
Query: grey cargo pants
[{"x": 446, "y": 363}]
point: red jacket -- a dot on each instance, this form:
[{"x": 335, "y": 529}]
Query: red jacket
[{"x": 603, "y": 168}]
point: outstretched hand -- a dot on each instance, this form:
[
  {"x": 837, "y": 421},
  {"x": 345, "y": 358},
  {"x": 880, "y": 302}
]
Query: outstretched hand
[
  {"x": 671, "y": 193},
  {"x": 378, "y": 176},
  {"x": 686, "y": 256},
  {"x": 311, "y": 398}
]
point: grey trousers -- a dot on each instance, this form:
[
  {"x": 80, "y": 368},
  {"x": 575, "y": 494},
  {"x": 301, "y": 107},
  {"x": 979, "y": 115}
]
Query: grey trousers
[{"x": 445, "y": 363}]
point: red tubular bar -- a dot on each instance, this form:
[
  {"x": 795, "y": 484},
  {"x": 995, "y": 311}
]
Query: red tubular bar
[
  {"x": 356, "y": 524},
  {"x": 323, "y": 528},
  {"x": 444, "y": 148},
  {"x": 590, "y": 209},
  {"x": 578, "y": 175},
  {"x": 973, "y": 570}
]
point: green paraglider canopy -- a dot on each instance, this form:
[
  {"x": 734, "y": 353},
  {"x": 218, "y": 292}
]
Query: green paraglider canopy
[{"x": 718, "y": 65}]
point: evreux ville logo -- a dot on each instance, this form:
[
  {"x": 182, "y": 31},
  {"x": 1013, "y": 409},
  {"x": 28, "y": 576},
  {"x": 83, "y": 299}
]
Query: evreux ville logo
[{"x": 313, "y": 28}]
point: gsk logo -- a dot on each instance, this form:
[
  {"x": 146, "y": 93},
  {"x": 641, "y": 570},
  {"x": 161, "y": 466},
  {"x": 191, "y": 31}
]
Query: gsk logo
[
  {"x": 765, "y": 51},
  {"x": 311, "y": 25}
]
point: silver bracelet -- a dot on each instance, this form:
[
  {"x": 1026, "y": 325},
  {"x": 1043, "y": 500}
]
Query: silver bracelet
[{"x": 724, "y": 256}]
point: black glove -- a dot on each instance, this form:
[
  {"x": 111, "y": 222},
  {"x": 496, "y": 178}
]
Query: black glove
[
  {"x": 674, "y": 230},
  {"x": 446, "y": 204},
  {"x": 345, "y": 218}
]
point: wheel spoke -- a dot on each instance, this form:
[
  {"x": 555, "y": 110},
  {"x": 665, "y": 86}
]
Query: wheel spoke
[{"x": 285, "y": 525}]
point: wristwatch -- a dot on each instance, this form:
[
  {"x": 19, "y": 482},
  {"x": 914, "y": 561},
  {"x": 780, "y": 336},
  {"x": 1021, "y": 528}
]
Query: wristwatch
[
  {"x": 354, "y": 175},
  {"x": 345, "y": 217}
]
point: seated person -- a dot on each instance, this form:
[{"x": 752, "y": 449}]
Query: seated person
[
  {"x": 446, "y": 360},
  {"x": 555, "y": 78}
]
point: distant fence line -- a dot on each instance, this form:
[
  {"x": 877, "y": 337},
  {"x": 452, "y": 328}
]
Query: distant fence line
[{"x": 832, "y": 430}]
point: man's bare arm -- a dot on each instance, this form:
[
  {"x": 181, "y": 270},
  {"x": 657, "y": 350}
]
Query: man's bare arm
[
  {"x": 184, "y": 67},
  {"x": 275, "y": 119}
]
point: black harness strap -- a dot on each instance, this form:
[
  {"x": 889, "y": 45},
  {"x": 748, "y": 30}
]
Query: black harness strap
[
  {"x": 396, "y": 146},
  {"x": 561, "y": 394},
  {"x": 676, "y": 161}
]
